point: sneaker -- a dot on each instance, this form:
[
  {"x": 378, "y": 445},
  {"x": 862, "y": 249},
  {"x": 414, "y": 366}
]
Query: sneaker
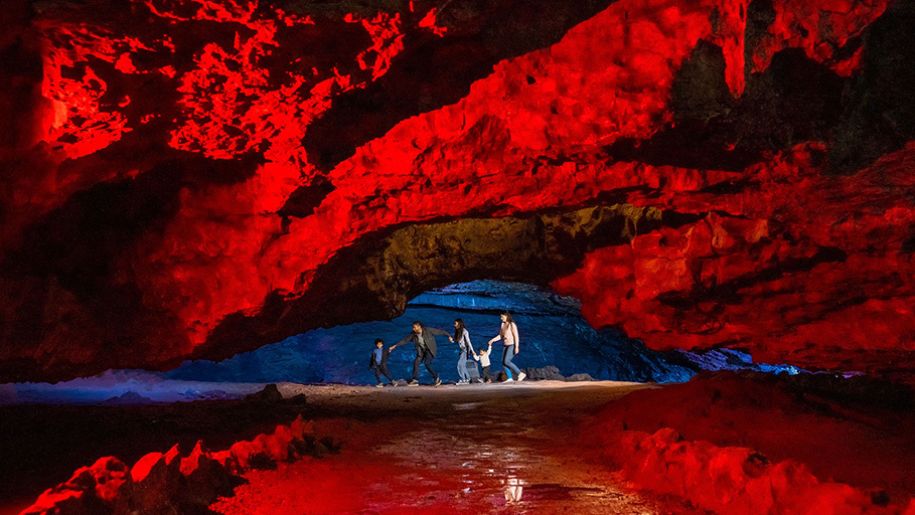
[
  {"x": 379, "y": 385},
  {"x": 413, "y": 383},
  {"x": 509, "y": 380},
  {"x": 392, "y": 383},
  {"x": 521, "y": 376},
  {"x": 437, "y": 382}
]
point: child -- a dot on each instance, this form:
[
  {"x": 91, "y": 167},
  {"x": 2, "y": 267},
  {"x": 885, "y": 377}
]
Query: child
[
  {"x": 483, "y": 358},
  {"x": 379, "y": 363}
]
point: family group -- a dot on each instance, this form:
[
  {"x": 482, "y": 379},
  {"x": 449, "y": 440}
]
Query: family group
[{"x": 423, "y": 340}]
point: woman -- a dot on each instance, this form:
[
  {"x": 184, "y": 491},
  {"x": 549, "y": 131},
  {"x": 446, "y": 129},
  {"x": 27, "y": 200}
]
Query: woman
[
  {"x": 508, "y": 333},
  {"x": 462, "y": 338}
]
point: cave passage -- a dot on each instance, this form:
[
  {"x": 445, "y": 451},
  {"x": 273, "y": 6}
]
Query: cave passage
[{"x": 557, "y": 343}]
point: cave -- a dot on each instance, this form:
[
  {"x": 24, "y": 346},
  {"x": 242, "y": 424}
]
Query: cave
[{"x": 697, "y": 217}]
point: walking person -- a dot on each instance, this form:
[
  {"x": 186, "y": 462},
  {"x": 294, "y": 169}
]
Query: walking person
[
  {"x": 508, "y": 333},
  {"x": 483, "y": 358},
  {"x": 378, "y": 363},
  {"x": 423, "y": 338},
  {"x": 462, "y": 338}
]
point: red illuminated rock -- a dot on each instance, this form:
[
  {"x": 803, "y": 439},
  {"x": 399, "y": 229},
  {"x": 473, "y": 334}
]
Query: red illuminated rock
[
  {"x": 831, "y": 268},
  {"x": 89, "y": 489},
  {"x": 764, "y": 444},
  {"x": 197, "y": 177},
  {"x": 160, "y": 482},
  {"x": 743, "y": 480}
]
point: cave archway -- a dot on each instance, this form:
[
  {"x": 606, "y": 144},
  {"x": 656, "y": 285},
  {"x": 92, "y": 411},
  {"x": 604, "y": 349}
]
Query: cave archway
[
  {"x": 554, "y": 334},
  {"x": 557, "y": 343}
]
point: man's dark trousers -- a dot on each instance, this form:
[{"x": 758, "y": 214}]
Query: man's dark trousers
[{"x": 426, "y": 357}]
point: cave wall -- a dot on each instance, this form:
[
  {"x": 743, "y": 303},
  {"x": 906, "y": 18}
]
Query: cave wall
[{"x": 195, "y": 178}]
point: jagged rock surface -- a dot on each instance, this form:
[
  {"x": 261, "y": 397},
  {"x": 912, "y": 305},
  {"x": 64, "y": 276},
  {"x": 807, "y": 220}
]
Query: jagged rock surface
[
  {"x": 173, "y": 482},
  {"x": 194, "y": 178}
]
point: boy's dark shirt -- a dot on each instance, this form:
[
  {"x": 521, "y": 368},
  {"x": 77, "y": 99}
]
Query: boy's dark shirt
[{"x": 384, "y": 358}]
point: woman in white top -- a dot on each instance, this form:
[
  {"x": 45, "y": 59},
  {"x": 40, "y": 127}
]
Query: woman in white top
[{"x": 508, "y": 333}]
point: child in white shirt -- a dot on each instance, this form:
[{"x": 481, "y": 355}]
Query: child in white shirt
[{"x": 483, "y": 358}]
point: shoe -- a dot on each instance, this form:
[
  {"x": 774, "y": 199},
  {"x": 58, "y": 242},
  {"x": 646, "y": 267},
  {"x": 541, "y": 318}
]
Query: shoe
[
  {"x": 437, "y": 382},
  {"x": 413, "y": 383},
  {"x": 509, "y": 380},
  {"x": 392, "y": 383},
  {"x": 521, "y": 376},
  {"x": 379, "y": 385}
]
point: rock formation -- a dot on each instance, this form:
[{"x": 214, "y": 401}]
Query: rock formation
[
  {"x": 194, "y": 178},
  {"x": 174, "y": 483},
  {"x": 761, "y": 444}
]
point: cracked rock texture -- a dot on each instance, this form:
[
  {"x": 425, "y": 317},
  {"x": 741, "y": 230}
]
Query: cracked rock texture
[{"x": 195, "y": 178}]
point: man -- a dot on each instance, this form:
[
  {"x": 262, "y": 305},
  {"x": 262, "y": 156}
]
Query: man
[{"x": 423, "y": 339}]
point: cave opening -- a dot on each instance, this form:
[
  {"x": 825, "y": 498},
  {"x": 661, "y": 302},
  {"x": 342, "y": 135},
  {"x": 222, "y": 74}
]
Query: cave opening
[{"x": 558, "y": 344}]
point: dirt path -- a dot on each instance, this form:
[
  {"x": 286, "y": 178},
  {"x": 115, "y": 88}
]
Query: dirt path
[{"x": 471, "y": 449}]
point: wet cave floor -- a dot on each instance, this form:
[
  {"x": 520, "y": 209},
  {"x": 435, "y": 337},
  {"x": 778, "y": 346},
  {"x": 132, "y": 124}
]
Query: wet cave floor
[
  {"x": 450, "y": 449},
  {"x": 800, "y": 444},
  {"x": 469, "y": 449}
]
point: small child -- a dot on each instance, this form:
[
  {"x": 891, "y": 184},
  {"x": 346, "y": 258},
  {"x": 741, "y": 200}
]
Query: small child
[
  {"x": 379, "y": 363},
  {"x": 483, "y": 358}
]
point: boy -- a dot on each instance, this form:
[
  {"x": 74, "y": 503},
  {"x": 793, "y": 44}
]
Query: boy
[
  {"x": 483, "y": 358},
  {"x": 379, "y": 363}
]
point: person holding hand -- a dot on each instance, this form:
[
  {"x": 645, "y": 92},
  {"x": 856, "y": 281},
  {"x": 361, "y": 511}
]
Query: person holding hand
[
  {"x": 423, "y": 339},
  {"x": 483, "y": 358},
  {"x": 508, "y": 333}
]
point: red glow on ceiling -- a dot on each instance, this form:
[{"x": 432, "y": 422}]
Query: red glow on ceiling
[
  {"x": 627, "y": 286},
  {"x": 529, "y": 136}
]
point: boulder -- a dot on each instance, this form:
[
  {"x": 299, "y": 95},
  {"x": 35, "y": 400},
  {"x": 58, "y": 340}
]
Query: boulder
[
  {"x": 549, "y": 372},
  {"x": 270, "y": 393}
]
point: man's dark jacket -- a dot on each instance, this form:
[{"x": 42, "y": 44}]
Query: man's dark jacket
[{"x": 428, "y": 336}]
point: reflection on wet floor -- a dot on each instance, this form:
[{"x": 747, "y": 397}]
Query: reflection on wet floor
[
  {"x": 491, "y": 450},
  {"x": 514, "y": 489},
  {"x": 498, "y": 462}
]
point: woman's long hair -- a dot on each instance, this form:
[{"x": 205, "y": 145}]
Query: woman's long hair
[{"x": 459, "y": 330}]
